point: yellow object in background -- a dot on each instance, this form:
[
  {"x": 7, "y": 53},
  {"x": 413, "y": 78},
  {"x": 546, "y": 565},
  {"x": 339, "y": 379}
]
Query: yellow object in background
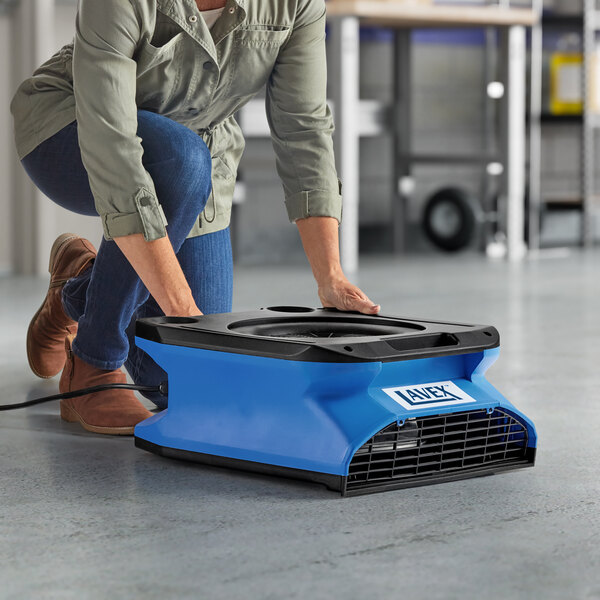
[
  {"x": 595, "y": 81},
  {"x": 566, "y": 83}
]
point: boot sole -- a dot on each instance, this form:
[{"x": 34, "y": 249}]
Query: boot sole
[
  {"x": 72, "y": 416},
  {"x": 57, "y": 247}
]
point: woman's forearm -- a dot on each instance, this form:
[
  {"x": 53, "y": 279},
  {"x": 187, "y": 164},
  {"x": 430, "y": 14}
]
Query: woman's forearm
[
  {"x": 157, "y": 265},
  {"x": 320, "y": 239},
  {"x": 321, "y": 243}
]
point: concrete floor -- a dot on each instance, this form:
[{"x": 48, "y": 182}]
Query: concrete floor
[{"x": 88, "y": 516}]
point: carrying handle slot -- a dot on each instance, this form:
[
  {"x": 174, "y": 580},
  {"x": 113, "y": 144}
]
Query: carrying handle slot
[{"x": 437, "y": 340}]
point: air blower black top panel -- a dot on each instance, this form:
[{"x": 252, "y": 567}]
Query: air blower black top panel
[{"x": 319, "y": 335}]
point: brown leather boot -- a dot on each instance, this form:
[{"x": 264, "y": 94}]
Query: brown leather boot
[
  {"x": 114, "y": 412},
  {"x": 69, "y": 256}
]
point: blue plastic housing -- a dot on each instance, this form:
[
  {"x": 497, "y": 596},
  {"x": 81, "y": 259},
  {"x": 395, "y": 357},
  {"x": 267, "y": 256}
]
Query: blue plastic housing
[{"x": 300, "y": 415}]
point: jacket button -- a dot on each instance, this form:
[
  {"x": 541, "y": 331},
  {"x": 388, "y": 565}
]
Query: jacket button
[
  {"x": 207, "y": 66},
  {"x": 192, "y": 18},
  {"x": 231, "y": 10}
]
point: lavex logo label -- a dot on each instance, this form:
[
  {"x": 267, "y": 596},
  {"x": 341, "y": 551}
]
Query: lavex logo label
[{"x": 440, "y": 393}]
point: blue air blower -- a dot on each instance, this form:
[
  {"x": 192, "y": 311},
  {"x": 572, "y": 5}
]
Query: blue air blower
[{"x": 358, "y": 403}]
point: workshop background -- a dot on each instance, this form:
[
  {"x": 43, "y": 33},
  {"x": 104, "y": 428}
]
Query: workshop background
[
  {"x": 87, "y": 516},
  {"x": 449, "y": 102}
]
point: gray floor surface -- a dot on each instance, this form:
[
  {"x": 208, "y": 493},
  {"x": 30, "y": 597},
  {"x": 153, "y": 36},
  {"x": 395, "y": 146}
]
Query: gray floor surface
[{"x": 89, "y": 516}]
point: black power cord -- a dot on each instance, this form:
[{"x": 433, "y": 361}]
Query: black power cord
[{"x": 161, "y": 389}]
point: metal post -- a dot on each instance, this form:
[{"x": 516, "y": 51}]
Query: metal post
[
  {"x": 535, "y": 131},
  {"x": 515, "y": 55},
  {"x": 402, "y": 134},
  {"x": 344, "y": 43},
  {"x": 588, "y": 150},
  {"x": 489, "y": 183}
]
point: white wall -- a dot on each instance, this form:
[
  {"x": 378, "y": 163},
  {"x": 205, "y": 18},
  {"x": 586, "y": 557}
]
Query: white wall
[
  {"x": 34, "y": 220},
  {"x": 63, "y": 220},
  {"x": 6, "y": 147}
]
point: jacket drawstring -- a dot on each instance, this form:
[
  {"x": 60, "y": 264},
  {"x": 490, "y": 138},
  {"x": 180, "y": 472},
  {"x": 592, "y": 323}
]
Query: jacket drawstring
[
  {"x": 209, "y": 131},
  {"x": 212, "y": 195}
]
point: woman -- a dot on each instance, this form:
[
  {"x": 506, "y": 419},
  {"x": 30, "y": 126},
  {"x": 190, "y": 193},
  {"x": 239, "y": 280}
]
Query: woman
[{"x": 133, "y": 121}]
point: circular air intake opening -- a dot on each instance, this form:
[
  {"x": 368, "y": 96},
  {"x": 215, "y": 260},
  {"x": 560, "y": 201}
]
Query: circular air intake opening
[
  {"x": 323, "y": 328},
  {"x": 291, "y": 309}
]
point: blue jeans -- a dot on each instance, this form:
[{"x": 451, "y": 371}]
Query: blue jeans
[{"x": 107, "y": 298}]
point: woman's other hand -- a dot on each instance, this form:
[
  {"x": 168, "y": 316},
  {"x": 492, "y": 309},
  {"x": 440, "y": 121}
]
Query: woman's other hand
[{"x": 343, "y": 295}]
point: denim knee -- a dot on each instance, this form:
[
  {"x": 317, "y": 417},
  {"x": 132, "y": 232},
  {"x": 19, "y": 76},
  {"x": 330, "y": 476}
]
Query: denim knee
[
  {"x": 195, "y": 159},
  {"x": 180, "y": 164}
]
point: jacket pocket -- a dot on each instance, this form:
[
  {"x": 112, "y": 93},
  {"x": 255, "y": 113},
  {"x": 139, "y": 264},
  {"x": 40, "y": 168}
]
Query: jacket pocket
[
  {"x": 220, "y": 169},
  {"x": 254, "y": 54},
  {"x": 159, "y": 72},
  {"x": 221, "y": 195},
  {"x": 262, "y": 35},
  {"x": 151, "y": 52}
]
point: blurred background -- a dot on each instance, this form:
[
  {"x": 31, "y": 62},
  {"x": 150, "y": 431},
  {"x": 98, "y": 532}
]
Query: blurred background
[{"x": 452, "y": 193}]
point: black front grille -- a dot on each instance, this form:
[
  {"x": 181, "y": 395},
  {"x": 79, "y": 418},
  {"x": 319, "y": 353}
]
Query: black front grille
[{"x": 438, "y": 447}]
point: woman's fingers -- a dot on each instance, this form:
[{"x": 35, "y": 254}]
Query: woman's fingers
[
  {"x": 349, "y": 297},
  {"x": 364, "y": 305}
]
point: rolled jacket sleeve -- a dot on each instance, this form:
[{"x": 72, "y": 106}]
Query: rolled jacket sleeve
[
  {"x": 300, "y": 120},
  {"x": 104, "y": 82}
]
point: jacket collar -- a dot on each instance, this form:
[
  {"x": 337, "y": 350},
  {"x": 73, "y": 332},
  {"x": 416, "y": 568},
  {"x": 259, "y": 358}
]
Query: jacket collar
[{"x": 181, "y": 10}]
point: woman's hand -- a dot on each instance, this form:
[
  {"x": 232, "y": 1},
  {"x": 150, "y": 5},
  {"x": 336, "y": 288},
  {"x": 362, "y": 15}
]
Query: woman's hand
[
  {"x": 321, "y": 244},
  {"x": 341, "y": 294}
]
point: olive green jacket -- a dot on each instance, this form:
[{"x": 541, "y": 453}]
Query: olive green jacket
[{"x": 159, "y": 55}]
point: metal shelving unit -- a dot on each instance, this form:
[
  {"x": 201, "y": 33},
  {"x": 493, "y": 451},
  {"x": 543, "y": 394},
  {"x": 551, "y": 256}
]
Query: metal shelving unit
[
  {"x": 588, "y": 24},
  {"x": 591, "y": 121}
]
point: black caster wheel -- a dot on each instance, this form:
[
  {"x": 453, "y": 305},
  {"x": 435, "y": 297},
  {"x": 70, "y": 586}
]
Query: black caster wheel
[{"x": 449, "y": 220}]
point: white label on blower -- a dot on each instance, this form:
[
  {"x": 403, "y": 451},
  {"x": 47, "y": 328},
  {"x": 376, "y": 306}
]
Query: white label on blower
[{"x": 439, "y": 393}]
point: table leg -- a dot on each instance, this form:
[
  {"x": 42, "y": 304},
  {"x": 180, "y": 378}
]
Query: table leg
[
  {"x": 515, "y": 55},
  {"x": 344, "y": 41},
  {"x": 402, "y": 172},
  {"x": 535, "y": 131}
]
